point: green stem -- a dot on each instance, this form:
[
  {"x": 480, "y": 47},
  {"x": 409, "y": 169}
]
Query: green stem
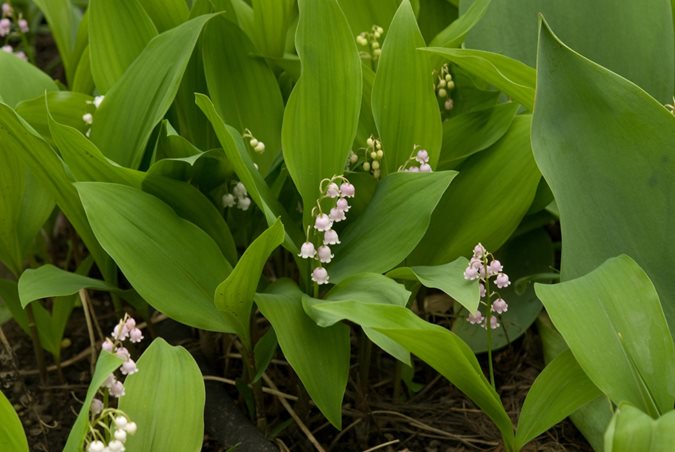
[
  {"x": 488, "y": 324},
  {"x": 37, "y": 347}
]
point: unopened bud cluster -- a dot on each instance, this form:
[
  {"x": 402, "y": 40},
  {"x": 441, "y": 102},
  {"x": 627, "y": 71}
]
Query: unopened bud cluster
[
  {"x": 238, "y": 197},
  {"x": 372, "y": 157},
  {"x": 483, "y": 266},
  {"x": 13, "y": 28},
  {"x": 257, "y": 145},
  {"x": 370, "y": 42},
  {"x": 322, "y": 233},
  {"x": 88, "y": 118},
  {"x": 671, "y": 107},
  {"x": 443, "y": 85},
  {"x": 108, "y": 427},
  {"x": 418, "y": 162}
]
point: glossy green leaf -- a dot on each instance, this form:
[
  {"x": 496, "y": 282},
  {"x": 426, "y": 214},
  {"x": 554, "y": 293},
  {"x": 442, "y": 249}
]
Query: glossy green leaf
[
  {"x": 83, "y": 81},
  {"x": 85, "y": 161},
  {"x": 632, "y": 429},
  {"x": 50, "y": 281},
  {"x": 43, "y": 163},
  {"x": 433, "y": 16},
  {"x": 12, "y": 436},
  {"x": 598, "y": 29},
  {"x": 514, "y": 78},
  {"x": 271, "y": 21},
  {"x": 118, "y": 33},
  {"x": 106, "y": 364},
  {"x": 175, "y": 267},
  {"x": 453, "y": 35},
  {"x": 320, "y": 356},
  {"x": 67, "y": 107},
  {"x": 322, "y": 112},
  {"x": 235, "y": 295},
  {"x": 64, "y": 21},
  {"x": 166, "y": 14},
  {"x": 410, "y": 198},
  {"x": 613, "y": 323},
  {"x": 474, "y": 131},
  {"x": 25, "y": 204},
  {"x": 403, "y": 94},
  {"x": 447, "y": 277},
  {"x": 9, "y": 295},
  {"x": 521, "y": 256},
  {"x": 559, "y": 390},
  {"x": 438, "y": 347},
  {"x": 243, "y": 88},
  {"x": 189, "y": 203},
  {"x": 236, "y": 153},
  {"x": 264, "y": 350},
  {"x": 154, "y": 397},
  {"x": 21, "y": 80},
  {"x": 363, "y": 288},
  {"x": 140, "y": 98},
  {"x": 486, "y": 202},
  {"x": 631, "y": 137}
]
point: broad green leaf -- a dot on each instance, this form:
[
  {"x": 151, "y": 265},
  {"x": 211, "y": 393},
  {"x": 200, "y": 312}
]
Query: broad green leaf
[
  {"x": 21, "y": 80},
  {"x": 589, "y": 138},
  {"x": 85, "y": 161},
  {"x": 322, "y": 112},
  {"x": 140, "y": 98},
  {"x": 83, "y": 81},
  {"x": 486, "y": 202},
  {"x": 271, "y": 21},
  {"x": 44, "y": 164},
  {"x": 614, "y": 325},
  {"x": 50, "y": 281},
  {"x": 236, "y": 153},
  {"x": 559, "y": 390},
  {"x": 264, "y": 351},
  {"x": 320, "y": 356},
  {"x": 403, "y": 94},
  {"x": 64, "y": 20},
  {"x": 67, "y": 107},
  {"x": 175, "y": 267},
  {"x": 363, "y": 288},
  {"x": 166, "y": 14},
  {"x": 243, "y": 88},
  {"x": 447, "y": 277},
  {"x": 593, "y": 418},
  {"x": 453, "y": 35},
  {"x": 474, "y": 131},
  {"x": 521, "y": 256},
  {"x": 514, "y": 78},
  {"x": 9, "y": 295},
  {"x": 438, "y": 347},
  {"x": 434, "y": 16},
  {"x": 12, "y": 436},
  {"x": 105, "y": 365},
  {"x": 118, "y": 33},
  {"x": 598, "y": 29},
  {"x": 190, "y": 204},
  {"x": 25, "y": 204},
  {"x": 632, "y": 429},
  {"x": 235, "y": 295},
  {"x": 155, "y": 397},
  {"x": 409, "y": 198}
]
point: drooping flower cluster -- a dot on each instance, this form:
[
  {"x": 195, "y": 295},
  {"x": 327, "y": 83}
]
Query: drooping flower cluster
[
  {"x": 13, "y": 28},
  {"x": 418, "y": 162},
  {"x": 372, "y": 157},
  {"x": 88, "y": 118},
  {"x": 109, "y": 427},
  {"x": 483, "y": 266},
  {"x": 370, "y": 41},
  {"x": 322, "y": 230},
  {"x": 443, "y": 86},
  {"x": 257, "y": 145},
  {"x": 238, "y": 197}
]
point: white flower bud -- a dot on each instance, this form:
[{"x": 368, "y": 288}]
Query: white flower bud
[{"x": 260, "y": 147}]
